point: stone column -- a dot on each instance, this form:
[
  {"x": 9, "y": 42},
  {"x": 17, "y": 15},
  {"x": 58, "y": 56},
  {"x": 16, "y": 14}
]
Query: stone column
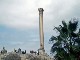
[{"x": 41, "y": 29}]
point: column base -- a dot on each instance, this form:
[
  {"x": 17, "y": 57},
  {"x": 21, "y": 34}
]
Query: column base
[{"x": 41, "y": 51}]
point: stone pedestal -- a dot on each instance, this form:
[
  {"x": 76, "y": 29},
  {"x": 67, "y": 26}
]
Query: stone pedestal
[{"x": 41, "y": 51}]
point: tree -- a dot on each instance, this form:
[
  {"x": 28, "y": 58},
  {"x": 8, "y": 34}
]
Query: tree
[{"x": 66, "y": 45}]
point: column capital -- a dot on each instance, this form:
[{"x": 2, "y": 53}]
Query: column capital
[{"x": 40, "y": 10}]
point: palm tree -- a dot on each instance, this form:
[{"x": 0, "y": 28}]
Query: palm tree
[{"x": 66, "y": 45}]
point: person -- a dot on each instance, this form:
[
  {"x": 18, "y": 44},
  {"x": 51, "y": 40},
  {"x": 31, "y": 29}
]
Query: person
[{"x": 4, "y": 51}]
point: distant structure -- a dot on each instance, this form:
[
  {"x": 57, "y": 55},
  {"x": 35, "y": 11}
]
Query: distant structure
[{"x": 41, "y": 50}]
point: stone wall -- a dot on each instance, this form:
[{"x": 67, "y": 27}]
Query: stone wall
[{"x": 14, "y": 56}]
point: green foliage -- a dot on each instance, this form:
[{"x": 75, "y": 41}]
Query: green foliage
[{"x": 67, "y": 44}]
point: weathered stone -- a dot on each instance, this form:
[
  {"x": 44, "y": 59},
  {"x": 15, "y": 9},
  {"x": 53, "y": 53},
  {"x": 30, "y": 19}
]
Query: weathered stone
[{"x": 41, "y": 50}]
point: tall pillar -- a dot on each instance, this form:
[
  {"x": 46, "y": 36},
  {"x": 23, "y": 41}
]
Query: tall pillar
[{"x": 41, "y": 30}]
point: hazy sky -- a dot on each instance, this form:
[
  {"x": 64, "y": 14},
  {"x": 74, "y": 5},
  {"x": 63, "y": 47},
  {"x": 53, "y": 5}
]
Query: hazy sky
[{"x": 19, "y": 21}]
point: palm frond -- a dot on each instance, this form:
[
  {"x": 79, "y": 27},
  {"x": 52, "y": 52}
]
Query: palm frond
[
  {"x": 64, "y": 24},
  {"x": 73, "y": 25}
]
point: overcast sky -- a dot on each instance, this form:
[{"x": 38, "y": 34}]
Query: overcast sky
[{"x": 19, "y": 21}]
